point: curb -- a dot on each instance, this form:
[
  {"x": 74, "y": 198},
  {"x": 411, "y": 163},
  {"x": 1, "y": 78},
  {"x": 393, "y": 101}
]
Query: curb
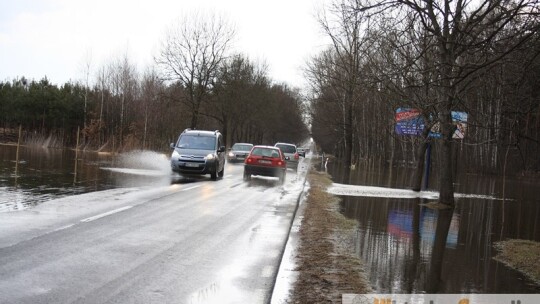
[{"x": 283, "y": 278}]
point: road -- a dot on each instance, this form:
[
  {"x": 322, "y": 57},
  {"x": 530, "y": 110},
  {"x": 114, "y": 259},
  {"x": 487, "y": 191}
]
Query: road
[{"x": 194, "y": 241}]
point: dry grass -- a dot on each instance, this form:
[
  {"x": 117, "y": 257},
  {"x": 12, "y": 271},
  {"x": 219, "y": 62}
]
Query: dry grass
[
  {"x": 326, "y": 261},
  {"x": 521, "y": 255}
]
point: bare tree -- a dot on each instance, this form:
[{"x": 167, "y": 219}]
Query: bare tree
[
  {"x": 343, "y": 64},
  {"x": 125, "y": 88},
  {"x": 191, "y": 55},
  {"x": 461, "y": 39},
  {"x": 87, "y": 64},
  {"x": 151, "y": 87}
]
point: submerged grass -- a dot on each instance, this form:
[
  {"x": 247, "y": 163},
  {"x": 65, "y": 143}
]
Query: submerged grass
[
  {"x": 326, "y": 261},
  {"x": 521, "y": 255}
]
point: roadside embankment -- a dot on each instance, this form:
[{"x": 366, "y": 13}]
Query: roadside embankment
[{"x": 326, "y": 264}]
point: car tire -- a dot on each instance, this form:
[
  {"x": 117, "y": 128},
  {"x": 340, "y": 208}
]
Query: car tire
[
  {"x": 213, "y": 174},
  {"x": 222, "y": 172}
]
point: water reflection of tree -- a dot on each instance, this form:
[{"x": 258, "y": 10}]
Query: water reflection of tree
[
  {"x": 434, "y": 279},
  {"x": 412, "y": 268},
  {"x": 412, "y": 262}
]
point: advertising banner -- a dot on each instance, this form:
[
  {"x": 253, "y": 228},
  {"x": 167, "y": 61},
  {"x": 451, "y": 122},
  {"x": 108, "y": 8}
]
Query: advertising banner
[
  {"x": 409, "y": 122},
  {"x": 459, "y": 119}
]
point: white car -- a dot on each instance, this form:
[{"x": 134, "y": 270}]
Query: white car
[
  {"x": 239, "y": 152},
  {"x": 291, "y": 154}
]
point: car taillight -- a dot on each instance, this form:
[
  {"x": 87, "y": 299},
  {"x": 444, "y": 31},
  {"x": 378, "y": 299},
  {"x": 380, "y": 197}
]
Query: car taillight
[
  {"x": 249, "y": 160},
  {"x": 280, "y": 163},
  {"x": 296, "y": 156}
]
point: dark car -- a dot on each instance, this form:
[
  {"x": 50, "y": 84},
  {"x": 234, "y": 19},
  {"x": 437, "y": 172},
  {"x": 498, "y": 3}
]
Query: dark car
[
  {"x": 239, "y": 152},
  {"x": 291, "y": 155},
  {"x": 265, "y": 161},
  {"x": 199, "y": 152}
]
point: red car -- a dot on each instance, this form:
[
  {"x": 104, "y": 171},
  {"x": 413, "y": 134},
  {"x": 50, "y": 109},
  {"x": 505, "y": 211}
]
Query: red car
[{"x": 266, "y": 161}]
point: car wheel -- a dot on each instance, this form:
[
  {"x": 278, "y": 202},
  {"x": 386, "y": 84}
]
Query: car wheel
[
  {"x": 247, "y": 176},
  {"x": 213, "y": 174},
  {"x": 222, "y": 172}
]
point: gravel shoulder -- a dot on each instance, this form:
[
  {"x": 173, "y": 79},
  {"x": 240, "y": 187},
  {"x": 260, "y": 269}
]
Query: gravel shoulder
[{"x": 326, "y": 263}]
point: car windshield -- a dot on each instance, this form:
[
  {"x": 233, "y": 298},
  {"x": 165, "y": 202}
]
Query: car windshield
[
  {"x": 241, "y": 147},
  {"x": 197, "y": 142},
  {"x": 287, "y": 148},
  {"x": 265, "y": 152}
]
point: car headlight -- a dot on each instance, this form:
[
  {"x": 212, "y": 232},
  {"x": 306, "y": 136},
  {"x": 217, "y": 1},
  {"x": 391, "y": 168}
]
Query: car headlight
[
  {"x": 210, "y": 156},
  {"x": 175, "y": 154},
  {"x": 231, "y": 154}
]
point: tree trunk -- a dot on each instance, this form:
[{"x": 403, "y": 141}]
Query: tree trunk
[
  {"x": 420, "y": 161},
  {"x": 194, "y": 120},
  {"x": 446, "y": 186}
]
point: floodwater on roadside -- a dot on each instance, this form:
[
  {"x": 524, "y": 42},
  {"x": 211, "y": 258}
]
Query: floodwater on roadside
[
  {"x": 43, "y": 174},
  {"x": 408, "y": 247}
]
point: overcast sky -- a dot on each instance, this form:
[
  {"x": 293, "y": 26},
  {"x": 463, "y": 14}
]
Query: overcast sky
[{"x": 56, "y": 38}]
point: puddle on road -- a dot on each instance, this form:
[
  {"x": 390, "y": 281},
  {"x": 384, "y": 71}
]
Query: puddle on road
[{"x": 409, "y": 248}]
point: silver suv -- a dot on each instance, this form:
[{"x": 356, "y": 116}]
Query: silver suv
[
  {"x": 199, "y": 152},
  {"x": 291, "y": 154}
]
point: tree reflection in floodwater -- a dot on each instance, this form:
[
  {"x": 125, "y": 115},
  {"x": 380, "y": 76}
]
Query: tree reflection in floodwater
[{"x": 410, "y": 248}]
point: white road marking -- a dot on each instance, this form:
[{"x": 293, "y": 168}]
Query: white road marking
[
  {"x": 93, "y": 218},
  {"x": 191, "y": 188},
  {"x": 267, "y": 271},
  {"x": 64, "y": 227}
]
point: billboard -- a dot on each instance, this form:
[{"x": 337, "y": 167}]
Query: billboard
[
  {"x": 459, "y": 119},
  {"x": 410, "y": 121}
]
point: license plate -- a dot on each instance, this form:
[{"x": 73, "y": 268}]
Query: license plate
[
  {"x": 265, "y": 162},
  {"x": 193, "y": 165}
]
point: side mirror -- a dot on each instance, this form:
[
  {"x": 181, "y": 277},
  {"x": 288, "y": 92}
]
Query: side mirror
[
  {"x": 172, "y": 145},
  {"x": 221, "y": 149}
]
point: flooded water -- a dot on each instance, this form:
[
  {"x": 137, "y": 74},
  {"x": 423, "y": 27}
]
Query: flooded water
[
  {"x": 43, "y": 174},
  {"x": 410, "y": 248}
]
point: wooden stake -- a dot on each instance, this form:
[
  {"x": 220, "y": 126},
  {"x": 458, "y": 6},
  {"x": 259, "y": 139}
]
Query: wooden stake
[
  {"x": 76, "y": 155},
  {"x": 18, "y": 148}
]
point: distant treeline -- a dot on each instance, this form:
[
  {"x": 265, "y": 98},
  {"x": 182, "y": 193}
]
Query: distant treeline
[{"x": 125, "y": 109}]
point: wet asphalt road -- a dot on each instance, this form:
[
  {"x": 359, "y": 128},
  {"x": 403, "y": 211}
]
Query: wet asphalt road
[{"x": 189, "y": 242}]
